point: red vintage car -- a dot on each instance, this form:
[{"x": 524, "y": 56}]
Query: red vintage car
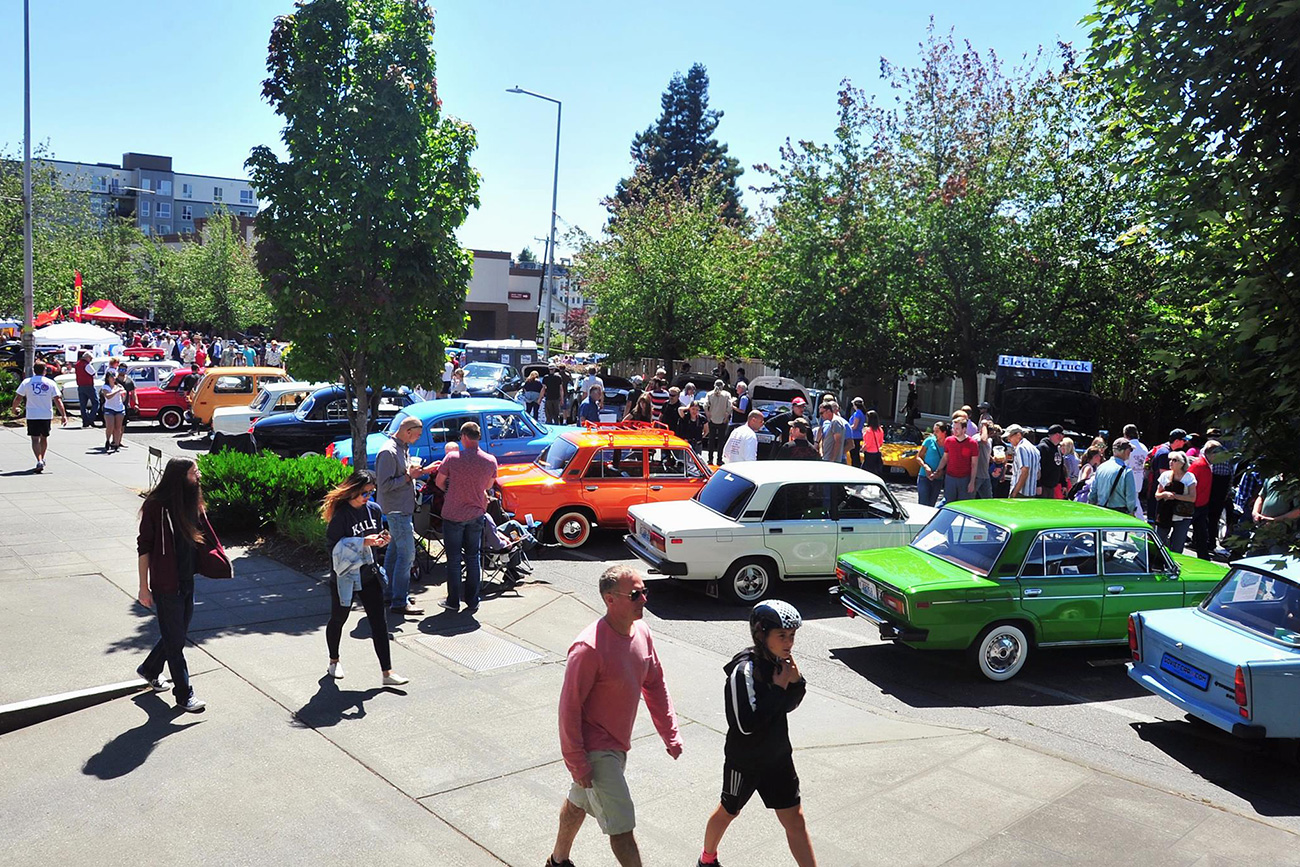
[
  {"x": 145, "y": 353},
  {"x": 166, "y": 402}
]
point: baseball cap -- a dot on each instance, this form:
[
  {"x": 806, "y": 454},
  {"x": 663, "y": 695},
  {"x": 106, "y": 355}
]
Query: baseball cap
[
  {"x": 801, "y": 423},
  {"x": 798, "y": 401},
  {"x": 1121, "y": 444},
  {"x": 1177, "y": 434},
  {"x": 1013, "y": 429},
  {"x": 1055, "y": 429}
]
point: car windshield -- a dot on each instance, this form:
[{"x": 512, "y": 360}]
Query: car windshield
[
  {"x": 903, "y": 433},
  {"x": 960, "y": 539},
  {"x": 555, "y": 457},
  {"x": 1260, "y": 602},
  {"x": 726, "y": 493},
  {"x": 262, "y": 402},
  {"x": 484, "y": 371}
]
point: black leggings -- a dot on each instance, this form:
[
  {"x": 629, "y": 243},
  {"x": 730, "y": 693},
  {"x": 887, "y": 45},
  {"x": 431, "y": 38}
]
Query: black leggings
[{"x": 372, "y": 598}]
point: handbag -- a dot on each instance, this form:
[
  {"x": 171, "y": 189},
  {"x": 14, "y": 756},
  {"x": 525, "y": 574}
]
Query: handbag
[
  {"x": 1184, "y": 509},
  {"x": 211, "y": 559},
  {"x": 370, "y": 572}
]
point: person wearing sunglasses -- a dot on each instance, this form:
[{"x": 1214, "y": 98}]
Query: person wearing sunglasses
[{"x": 612, "y": 663}]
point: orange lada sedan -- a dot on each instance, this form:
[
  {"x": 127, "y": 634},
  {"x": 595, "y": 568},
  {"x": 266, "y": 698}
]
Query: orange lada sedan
[{"x": 588, "y": 478}]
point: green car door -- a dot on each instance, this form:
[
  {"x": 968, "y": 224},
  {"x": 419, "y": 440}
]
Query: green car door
[
  {"x": 1138, "y": 576},
  {"x": 1061, "y": 587}
]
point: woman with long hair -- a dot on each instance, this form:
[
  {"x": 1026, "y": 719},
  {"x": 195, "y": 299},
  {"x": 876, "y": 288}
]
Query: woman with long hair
[
  {"x": 873, "y": 437},
  {"x": 352, "y": 529},
  {"x": 112, "y": 397},
  {"x": 644, "y": 409},
  {"x": 175, "y": 542}
]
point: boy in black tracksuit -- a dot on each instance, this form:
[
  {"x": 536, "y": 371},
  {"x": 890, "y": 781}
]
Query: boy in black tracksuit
[{"x": 763, "y": 685}]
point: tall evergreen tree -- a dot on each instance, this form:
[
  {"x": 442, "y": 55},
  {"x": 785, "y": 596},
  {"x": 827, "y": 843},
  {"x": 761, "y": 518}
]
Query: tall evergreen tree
[{"x": 679, "y": 147}]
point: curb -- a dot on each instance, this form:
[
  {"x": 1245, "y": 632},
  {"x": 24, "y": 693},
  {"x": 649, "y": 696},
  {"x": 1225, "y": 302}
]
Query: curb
[{"x": 21, "y": 714}]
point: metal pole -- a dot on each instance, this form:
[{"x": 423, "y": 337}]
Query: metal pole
[
  {"x": 555, "y": 190},
  {"x": 29, "y": 298}
]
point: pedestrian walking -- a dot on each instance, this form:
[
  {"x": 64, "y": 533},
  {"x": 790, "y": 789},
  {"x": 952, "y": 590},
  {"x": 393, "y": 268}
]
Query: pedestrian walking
[
  {"x": 533, "y": 393},
  {"x": 1024, "y": 463},
  {"x": 466, "y": 475},
  {"x": 113, "y": 396},
  {"x": 742, "y": 445},
  {"x": 1176, "y": 501},
  {"x": 798, "y": 447},
  {"x": 928, "y": 478},
  {"x": 834, "y": 435},
  {"x": 395, "y": 475},
  {"x": 552, "y": 394},
  {"x": 873, "y": 441},
  {"x": 176, "y": 542},
  {"x": 764, "y": 685},
  {"x": 612, "y": 664},
  {"x": 352, "y": 532},
  {"x": 957, "y": 466},
  {"x": 39, "y": 396},
  {"x": 1222, "y": 469},
  {"x": 87, "y": 398},
  {"x": 1112, "y": 484}
]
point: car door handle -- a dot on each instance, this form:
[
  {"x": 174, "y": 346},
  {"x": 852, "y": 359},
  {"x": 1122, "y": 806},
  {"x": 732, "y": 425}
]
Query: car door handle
[
  {"x": 656, "y": 487},
  {"x": 846, "y": 529},
  {"x": 1115, "y": 588},
  {"x": 774, "y": 530},
  {"x": 1033, "y": 591},
  {"x": 591, "y": 487}
]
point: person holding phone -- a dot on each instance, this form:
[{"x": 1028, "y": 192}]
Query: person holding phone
[{"x": 352, "y": 532}]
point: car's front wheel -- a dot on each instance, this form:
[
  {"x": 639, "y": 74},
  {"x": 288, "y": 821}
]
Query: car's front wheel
[
  {"x": 748, "y": 580},
  {"x": 571, "y": 528},
  {"x": 1000, "y": 651},
  {"x": 171, "y": 418}
]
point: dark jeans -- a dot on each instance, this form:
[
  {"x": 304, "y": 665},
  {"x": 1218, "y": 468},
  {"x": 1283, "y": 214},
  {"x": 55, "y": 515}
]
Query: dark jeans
[
  {"x": 89, "y": 402},
  {"x": 717, "y": 439},
  {"x": 1220, "y": 488},
  {"x": 1201, "y": 532},
  {"x": 855, "y": 452},
  {"x": 174, "y": 612},
  {"x": 552, "y": 411},
  {"x": 463, "y": 540},
  {"x": 372, "y": 599},
  {"x": 873, "y": 462}
]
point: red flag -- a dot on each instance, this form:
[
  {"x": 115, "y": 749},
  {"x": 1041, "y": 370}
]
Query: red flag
[{"x": 76, "y": 281}]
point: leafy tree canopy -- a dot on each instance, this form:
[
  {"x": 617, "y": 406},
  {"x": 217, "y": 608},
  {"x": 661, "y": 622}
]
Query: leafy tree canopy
[{"x": 527, "y": 255}]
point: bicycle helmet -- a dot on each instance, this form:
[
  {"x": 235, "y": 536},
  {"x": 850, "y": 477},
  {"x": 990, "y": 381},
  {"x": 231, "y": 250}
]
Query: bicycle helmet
[{"x": 772, "y": 614}]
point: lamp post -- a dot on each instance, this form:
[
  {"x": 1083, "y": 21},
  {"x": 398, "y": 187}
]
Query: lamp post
[
  {"x": 555, "y": 188},
  {"x": 29, "y": 292}
]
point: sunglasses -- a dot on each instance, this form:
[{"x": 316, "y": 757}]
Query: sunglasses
[{"x": 635, "y": 595}]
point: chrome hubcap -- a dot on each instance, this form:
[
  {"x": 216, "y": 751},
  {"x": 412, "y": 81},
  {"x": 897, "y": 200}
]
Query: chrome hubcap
[
  {"x": 751, "y": 581},
  {"x": 1002, "y": 652},
  {"x": 571, "y": 529}
]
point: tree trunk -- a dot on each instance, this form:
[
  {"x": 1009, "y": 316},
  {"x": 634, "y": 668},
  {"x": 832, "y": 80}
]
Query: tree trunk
[
  {"x": 355, "y": 383},
  {"x": 970, "y": 389}
]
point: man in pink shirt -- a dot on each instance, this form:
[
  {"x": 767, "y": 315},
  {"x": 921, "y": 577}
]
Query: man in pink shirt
[
  {"x": 465, "y": 474},
  {"x": 612, "y": 664}
]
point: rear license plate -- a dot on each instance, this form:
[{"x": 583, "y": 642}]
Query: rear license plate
[
  {"x": 871, "y": 590},
  {"x": 1181, "y": 670}
]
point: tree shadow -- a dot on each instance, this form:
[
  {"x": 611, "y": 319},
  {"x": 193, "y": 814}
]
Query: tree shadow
[
  {"x": 331, "y": 705},
  {"x": 129, "y": 750}
]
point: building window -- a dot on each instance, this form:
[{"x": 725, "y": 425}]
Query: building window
[
  {"x": 245, "y": 197},
  {"x": 187, "y": 212},
  {"x": 146, "y": 229},
  {"x": 165, "y": 210},
  {"x": 164, "y": 188},
  {"x": 216, "y": 194},
  {"x": 101, "y": 184},
  {"x": 187, "y": 191},
  {"x": 144, "y": 207},
  {"x": 164, "y": 229},
  {"x": 146, "y": 183}
]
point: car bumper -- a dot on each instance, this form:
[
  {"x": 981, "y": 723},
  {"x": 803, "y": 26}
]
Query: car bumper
[
  {"x": 657, "y": 561},
  {"x": 1220, "y": 719},
  {"x": 889, "y": 631}
]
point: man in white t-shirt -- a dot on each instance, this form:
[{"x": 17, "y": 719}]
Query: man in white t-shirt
[
  {"x": 742, "y": 445},
  {"x": 591, "y": 379},
  {"x": 1137, "y": 460},
  {"x": 41, "y": 395}
]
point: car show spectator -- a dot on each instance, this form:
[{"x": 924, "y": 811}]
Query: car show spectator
[
  {"x": 466, "y": 475},
  {"x": 957, "y": 466},
  {"x": 717, "y": 410},
  {"x": 39, "y": 396},
  {"x": 1024, "y": 463},
  {"x": 931, "y": 454},
  {"x": 1176, "y": 501},
  {"x": 1112, "y": 485},
  {"x": 834, "y": 433},
  {"x": 589, "y": 410},
  {"x": 552, "y": 394},
  {"x": 742, "y": 445},
  {"x": 87, "y": 398},
  {"x": 798, "y": 447},
  {"x": 395, "y": 475}
]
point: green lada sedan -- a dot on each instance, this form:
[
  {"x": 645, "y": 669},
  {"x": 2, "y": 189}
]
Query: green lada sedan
[{"x": 999, "y": 578}]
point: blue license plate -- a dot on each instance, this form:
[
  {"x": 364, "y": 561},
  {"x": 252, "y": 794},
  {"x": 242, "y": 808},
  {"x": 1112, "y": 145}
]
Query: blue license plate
[{"x": 1181, "y": 670}]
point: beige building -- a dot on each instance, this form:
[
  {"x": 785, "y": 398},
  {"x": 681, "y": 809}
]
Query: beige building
[{"x": 506, "y": 298}]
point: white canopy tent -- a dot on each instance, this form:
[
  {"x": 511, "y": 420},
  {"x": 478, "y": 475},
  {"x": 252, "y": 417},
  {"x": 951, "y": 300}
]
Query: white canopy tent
[{"x": 72, "y": 337}]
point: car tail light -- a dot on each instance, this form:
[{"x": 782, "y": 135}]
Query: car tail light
[
  {"x": 675, "y": 541},
  {"x": 657, "y": 539},
  {"x": 894, "y": 603},
  {"x": 250, "y": 426},
  {"x": 1133, "y": 639},
  {"x": 631, "y": 525},
  {"x": 1239, "y": 692},
  {"x": 840, "y": 574}
]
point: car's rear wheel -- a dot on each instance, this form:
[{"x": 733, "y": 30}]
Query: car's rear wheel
[
  {"x": 171, "y": 418},
  {"x": 571, "y": 528},
  {"x": 309, "y": 454},
  {"x": 1000, "y": 651},
  {"x": 748, "y": 580}
]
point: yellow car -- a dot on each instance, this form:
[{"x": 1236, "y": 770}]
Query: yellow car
[
  {"x": 902, "y": 449},
  {"x": 230, "y": 386}
]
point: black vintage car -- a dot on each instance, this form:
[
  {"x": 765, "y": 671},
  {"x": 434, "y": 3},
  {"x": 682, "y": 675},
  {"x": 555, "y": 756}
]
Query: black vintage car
[{"x": 321, "y": 419}]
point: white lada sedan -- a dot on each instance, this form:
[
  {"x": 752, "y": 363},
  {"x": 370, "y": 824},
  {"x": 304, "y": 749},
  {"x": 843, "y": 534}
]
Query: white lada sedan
[{"x": 756, "y": 522}]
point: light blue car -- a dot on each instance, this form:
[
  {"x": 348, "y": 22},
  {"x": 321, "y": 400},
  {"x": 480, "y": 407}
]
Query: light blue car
[
  {"x": 509, "y": 432},
  {"x": 1234, "y": 660}
]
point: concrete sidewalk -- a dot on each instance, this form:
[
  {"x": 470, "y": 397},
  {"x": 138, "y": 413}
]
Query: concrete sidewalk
[{"x": 462, "y": 765}]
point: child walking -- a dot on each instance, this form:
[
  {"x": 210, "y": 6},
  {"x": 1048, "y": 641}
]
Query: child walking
[{"x": 763, "y": 685}]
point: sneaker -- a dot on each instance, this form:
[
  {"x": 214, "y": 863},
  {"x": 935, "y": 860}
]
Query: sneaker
[
  {"x": 157, "y": 684},
  {"x": 551, "y": 862},
  {"x": 192, "y": 705},
  {"x": 40, "y": 466},
  {"x": 472, "y": 610},
  {"x": 453, "y": 607},
  {"x": 409, "y": 610},
  {"x": 395, "y": 680},
  {"x": 336, "y": 670},
  {"x": 716, "y": 863}
]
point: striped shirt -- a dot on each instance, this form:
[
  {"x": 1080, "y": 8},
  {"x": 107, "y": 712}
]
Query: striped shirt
[
  {"x": 658, "y": 398},
  {"x": 1025, "y": 460}
]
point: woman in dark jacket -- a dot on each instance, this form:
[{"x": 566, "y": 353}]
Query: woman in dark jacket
[{"x": 175, "y": 542}]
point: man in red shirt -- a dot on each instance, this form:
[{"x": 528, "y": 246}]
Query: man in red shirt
[
  {"x": 86, "y": 397},
  {"x": 466, "y": 475},
  {"x": 959, "y": 454},
  {"x": 1200, "y": 468}
]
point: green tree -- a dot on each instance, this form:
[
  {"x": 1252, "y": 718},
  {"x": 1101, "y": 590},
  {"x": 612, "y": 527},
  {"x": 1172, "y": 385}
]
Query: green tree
[
  {"x": 225, "y": 290},
  {"x": 667, "y": 276},
  {"x": 527, "y": 255},
  {"x": 679, "y": 147},
  {"x": 357, "y": 239},
  {"x": 1205, "y": 91}
]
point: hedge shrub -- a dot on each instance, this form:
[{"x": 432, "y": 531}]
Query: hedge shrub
[{"x": 244, "y": 492}]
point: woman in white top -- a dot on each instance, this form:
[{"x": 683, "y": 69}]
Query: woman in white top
[
  {"x": 687, "y": 397},
  {"x": 113, "y": 398},
  {"x": 1174, "y": 487},
  {"x": 458, "y": 387}
]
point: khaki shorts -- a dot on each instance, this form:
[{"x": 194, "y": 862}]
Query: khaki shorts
[{"x": 608, "y": 799}]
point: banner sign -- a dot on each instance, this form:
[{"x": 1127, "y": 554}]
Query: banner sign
[{"x": 1051, "y": 364}]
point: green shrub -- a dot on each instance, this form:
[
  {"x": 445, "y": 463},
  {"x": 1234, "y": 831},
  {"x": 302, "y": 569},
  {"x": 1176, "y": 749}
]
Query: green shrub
[
  {"x": 244, "y": 491},
  {"x": 8, "y": 388},
  {"x": 302, "y": 526}
]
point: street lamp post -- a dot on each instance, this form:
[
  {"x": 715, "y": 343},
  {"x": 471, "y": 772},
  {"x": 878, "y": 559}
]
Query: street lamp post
[
  {"x": 29, "y": 291},
  {"x": 555, "y": 188}
]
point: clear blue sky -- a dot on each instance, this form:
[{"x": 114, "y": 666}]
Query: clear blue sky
[{"x": 182, "y": 77}]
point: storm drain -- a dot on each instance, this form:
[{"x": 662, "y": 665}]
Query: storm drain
[{"x": 478, "y": 650}]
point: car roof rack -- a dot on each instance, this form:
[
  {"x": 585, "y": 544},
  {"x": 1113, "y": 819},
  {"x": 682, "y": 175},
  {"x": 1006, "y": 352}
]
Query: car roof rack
[{"x": 598, "y": 426}]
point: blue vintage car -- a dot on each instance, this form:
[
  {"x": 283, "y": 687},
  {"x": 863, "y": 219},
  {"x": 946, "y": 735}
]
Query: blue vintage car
[
  {"x": 1234, "y": 660},
  {"x": 509, "y": 433}
]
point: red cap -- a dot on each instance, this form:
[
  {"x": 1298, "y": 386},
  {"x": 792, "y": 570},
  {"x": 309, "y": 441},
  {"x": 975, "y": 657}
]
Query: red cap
[{"x": 798, "y": 401}]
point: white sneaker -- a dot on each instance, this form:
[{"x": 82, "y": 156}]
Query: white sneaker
[
  {"x": 395, "y": 680},
  {"x": 336, "y": 670}
]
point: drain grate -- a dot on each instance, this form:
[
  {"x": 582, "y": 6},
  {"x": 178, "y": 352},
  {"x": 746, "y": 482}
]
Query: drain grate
[{"x": 478, "y": 650}]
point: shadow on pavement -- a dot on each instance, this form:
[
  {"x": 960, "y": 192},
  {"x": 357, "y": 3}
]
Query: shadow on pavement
[
  {"x": 1261, "y": 773},
  {"x": 331, "y": 705},
  {"x": 129, "y": 750},
  {"x": 27, "y": 472}
]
